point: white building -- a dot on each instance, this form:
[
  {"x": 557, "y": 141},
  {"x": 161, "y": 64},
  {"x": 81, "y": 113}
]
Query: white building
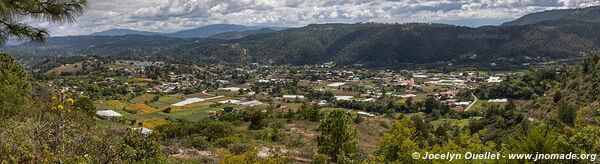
[
  {"x": 143, "y": 130},
  {"x": 251, "y": 103},
  {"x": 498, "y": 100},
  {"x": 108, "y": 113},
  {"x": 335, "y": 85},
  {"x": 293, "y": 97},
  {"x": 366, "y": 114},
  {"x": 466, "y": 103},
  {"x": 494, "y": 79},
  {"x": 367, "y": 100},
  {"x": 231, "y": 89},
  {"x": 408, "y": 95},
  {"x": 346, "y": 98}
]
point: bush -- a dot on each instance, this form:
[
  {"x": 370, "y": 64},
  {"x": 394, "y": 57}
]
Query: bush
[
  {"x": 358, "y": 119},
  {"x": 321, "y": 158},
  {"x": 225, "y": 142},
  {"x": 277, "y": 124},
  {"x": 257, "y": 120},
  {"x": 167, "y": 110},
  {"x": 384, "y": 124},
  {"x": 271, "y": 134},
  {"x": 199, "y": 142},
  {"x": 296, "y": 142},
  {"x": 238, "y": 148}
]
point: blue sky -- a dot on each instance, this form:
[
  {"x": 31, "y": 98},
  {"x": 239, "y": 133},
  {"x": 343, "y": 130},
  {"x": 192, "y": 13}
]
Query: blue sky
[{"x": 174, "y": 15}]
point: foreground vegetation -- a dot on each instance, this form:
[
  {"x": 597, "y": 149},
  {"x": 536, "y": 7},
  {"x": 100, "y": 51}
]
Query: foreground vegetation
[
  {"x": 560, "y": 116},
  {"x": 49, "y": 114}
]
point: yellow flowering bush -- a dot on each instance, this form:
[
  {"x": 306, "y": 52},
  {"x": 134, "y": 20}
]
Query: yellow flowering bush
[{"x": 70, "y": 101}]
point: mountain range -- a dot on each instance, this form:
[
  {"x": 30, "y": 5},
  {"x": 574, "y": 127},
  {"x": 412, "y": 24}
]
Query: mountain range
[
  {"x": 589, "y": 14},
  {"x": 369, "y": 44},
  {"x": 201, "y": 32}
]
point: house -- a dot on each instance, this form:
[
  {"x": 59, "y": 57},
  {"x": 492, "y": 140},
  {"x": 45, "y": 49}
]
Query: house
[
  {"x": 449, "y": 102},
  {"x": 498, "y": 100},
  {"x": 366, "y": 114},
  {"x": 346, "y": 98},
  {"x": 405, "y": 83},
  {"x": 292, "y": 97},
  {"x": 143, "y": 130},
  {"x": 408, "y": 95},
  {"x": 449, "y": 94},
  {"x": 367, "y": 100},
  {"x": 108, "y": 113},
  {"x": 339, "y": 85},
  {"x": 323, "y": 103},
  {"x": 231, "y": 89},
  {"x": 223, "y": 81},
  {"x": 263, "y": 81},
  {"x": 494, "y": 79},
  {"x": 465, "y": 103},
  {"x": 251, "y": 103}
]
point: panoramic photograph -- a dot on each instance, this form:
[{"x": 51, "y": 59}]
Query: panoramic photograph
[{"x": 299, "y": 81}]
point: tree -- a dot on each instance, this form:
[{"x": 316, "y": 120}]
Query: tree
[
  {"x": 257, "y": 119},
  {"x": 138, "y": 147},
  {"x": 12, "y": 12},
  {"x": 14, "y": 86},
  {"x": 85, "y": 105},
  {"x": 13, "y": 82},
  {"x": 338, "y": 136},
  {"x": 398, "y": 144},
  {"x": 566, "y": 113}
]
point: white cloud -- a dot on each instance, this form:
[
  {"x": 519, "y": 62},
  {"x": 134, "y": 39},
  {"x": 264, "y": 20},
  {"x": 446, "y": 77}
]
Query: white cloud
[{"x": 173, "y": 15}]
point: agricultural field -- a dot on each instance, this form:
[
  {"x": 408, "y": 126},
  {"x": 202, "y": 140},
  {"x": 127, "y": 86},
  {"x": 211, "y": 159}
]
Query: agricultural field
[{"x": 152, "y": 113}]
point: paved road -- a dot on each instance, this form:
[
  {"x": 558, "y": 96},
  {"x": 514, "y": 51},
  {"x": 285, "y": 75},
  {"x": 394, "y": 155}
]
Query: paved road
[{"x": 474, "y": 101}]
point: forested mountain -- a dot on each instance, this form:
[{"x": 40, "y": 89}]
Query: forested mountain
[
  {"x": 229, "y": 31},
  {"x": 373, "y": 45},
  {"x": 206, "y": 31},
  {"x": 589, "y": 14},
  {"x": 239, "y": 35},
  {"x": 120, "y": 32}
]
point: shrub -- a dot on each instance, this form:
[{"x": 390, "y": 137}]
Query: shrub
[
  {"x": 271, "y": 134},
  {"x": 225, "y": 142},
  {"x": 296, "y": 141},
  {"x": 199, "y": 142},
  {"x": 167, "y": 110},
  {"x": 238, "y": 148}
]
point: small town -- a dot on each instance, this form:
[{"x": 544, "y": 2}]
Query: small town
[
  {"x": 293, "y": 81},
  {"x": 141, "y": 93}
]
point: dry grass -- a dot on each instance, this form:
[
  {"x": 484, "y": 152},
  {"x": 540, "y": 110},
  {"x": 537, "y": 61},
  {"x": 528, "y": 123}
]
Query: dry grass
[
  {"x": 153, "y": 122},
  {"x": 369, "y": 132},
  {"x": 143, "y": 98},
  {"x": 110, "y": 104},
  {"x": 142, "y": 108}
]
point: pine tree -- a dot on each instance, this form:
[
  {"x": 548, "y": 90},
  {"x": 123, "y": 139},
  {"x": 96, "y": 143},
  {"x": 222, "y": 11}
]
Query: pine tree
[
  {"x": 14, "y": 86},
  {"x": 13, "y": 12},
  {"x": 338, "y": 136}
]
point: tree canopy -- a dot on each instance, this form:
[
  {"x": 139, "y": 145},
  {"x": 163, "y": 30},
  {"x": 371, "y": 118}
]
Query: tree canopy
[{"x": 14, "y": 12}]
